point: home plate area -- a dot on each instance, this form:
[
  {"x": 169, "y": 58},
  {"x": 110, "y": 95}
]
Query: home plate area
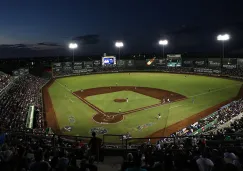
[{"x": 103, "y": 117}]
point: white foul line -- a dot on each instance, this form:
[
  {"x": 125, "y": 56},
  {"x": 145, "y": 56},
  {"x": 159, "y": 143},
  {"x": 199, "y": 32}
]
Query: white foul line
[
  {"x": 215, "y": 90},
  {"x": 79, "y": 97}
]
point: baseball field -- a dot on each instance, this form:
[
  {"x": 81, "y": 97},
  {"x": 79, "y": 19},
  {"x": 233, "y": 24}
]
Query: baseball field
[{"x": 118, "y": 103}]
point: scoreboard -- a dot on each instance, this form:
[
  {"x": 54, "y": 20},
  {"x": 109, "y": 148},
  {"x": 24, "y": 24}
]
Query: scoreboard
[
  {"x": 174, "y": 60},
  {"x": 108, "y": 60},
  {"x": 77, "y": 67}
]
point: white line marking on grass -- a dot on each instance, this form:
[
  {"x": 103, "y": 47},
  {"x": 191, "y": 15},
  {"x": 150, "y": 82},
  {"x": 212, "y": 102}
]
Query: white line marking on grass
[
  {"x": 214, "y": 90},
  {"x": 71, "y": 100},
  {"x": 64, "y": 86},
  {"x": 175, "y": 106},
  {"x": 88, "y": 103},
  {"x": 83, "y": 100}
]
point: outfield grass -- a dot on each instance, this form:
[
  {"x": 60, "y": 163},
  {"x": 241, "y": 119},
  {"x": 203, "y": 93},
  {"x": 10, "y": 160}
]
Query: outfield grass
[
  {"x": 135, "y": 100},
  {"x": 66, "y": 105}
]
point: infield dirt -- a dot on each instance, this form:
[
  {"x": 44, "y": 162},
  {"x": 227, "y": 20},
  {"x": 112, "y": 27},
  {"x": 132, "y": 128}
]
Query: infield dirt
[
  {"x": 120, "y": 100},
  {"x": 104, "y": 117}
]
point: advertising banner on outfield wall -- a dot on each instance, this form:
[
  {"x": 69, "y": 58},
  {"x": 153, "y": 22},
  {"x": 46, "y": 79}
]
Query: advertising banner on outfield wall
[
  {"x": 129, "y": 63},
  {"x": 161, "y": 62},
  {"x": 97, "y": 63},
  {"x": 57, "y": 65},
  {"x": 240, "y": 62},
  {"x": 88, "y": 64},
  {"x": 77, "y": 65},
  {"x": 67, "y": 64},
  {"x": 187, "y": 63},
  {"x": 140, "y": 62},
  {"x": 173, "y": 55},
  {"x": 230, "y": 63},
  {"x": 67, "y": 68},
  {"x": 200, "y": 62},
  {"x": 206, "y": 70},
  {"x": 57, "y": 69},
  {"x": 121, "y": 63},
  {"x": 151, "y": 62},
  {"x": 214, "y": 62},
  {"x": 174, "y": 62},
  {"x": 79, "y": 71}
]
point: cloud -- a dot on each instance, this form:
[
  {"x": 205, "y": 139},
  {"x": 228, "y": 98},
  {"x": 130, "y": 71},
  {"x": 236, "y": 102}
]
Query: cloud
[
  {"x": 45, "y": 46},
  {"x": 87, "y": 39},
  {"x": 30, "y": 50},
  {"x": 37, "y": 46},
  {"x": 48, "y": 44}
]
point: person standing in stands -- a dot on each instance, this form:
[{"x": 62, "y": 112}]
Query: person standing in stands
[
  {"x": 95, "y": 146},
  {"x": 39, "y": 164}
]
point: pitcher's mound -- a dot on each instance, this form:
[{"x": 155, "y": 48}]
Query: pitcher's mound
[
  {"x": 108, "y": 118},
  {"x": 120, "y": 100}
]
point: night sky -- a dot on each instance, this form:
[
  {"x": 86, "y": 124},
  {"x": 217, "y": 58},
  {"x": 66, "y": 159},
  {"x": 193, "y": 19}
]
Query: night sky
[{"x": 31, "y": 28}]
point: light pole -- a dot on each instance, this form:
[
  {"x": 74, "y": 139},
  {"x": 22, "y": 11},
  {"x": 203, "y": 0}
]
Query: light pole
[
  {"x": 223, "y": 38},
  {"x": 163, "y": 43},
  {"x": 119, "y": 45},
  {"x": 73, "y": 46}
]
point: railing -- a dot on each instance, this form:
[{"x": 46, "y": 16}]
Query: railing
[{"x": 127, "y": 144}]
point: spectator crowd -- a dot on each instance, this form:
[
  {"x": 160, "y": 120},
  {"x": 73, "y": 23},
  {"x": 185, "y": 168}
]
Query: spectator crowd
[
  {"x": 16, "y": 100},
  {"x": 5, "y": 79},
  {"x": 222, "y": 116}
]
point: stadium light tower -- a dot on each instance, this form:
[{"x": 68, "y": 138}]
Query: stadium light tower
[
  {"x": 163, "y": 43},
  {"x": 223, "y": 38},
  {"x": 73, "y": 46},
  {"x": 119, "y": 45}
]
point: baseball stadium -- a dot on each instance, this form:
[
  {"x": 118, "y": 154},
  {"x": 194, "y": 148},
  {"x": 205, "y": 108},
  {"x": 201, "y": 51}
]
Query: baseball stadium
[
  {"x": 121, "y": 85},
  {"x": 96, "y": 113},
  {"x": 139, "y": 99}
]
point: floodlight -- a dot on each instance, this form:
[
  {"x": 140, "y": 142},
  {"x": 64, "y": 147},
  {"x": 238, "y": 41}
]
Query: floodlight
[
  {"x": 119, "y": 44},
  {"x": 223, "y": 37},
  {"x": 73, "y": 45},
  {"x": 163, "y": 42}
]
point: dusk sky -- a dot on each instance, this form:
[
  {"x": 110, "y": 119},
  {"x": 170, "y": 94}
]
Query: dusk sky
[{"x": 30, "y": 28}]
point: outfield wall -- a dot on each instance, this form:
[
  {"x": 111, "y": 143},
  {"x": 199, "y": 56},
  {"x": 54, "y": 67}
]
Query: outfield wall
[
  {"x": 214, "y": 65},
  {"x": 193, "y": 72}
]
